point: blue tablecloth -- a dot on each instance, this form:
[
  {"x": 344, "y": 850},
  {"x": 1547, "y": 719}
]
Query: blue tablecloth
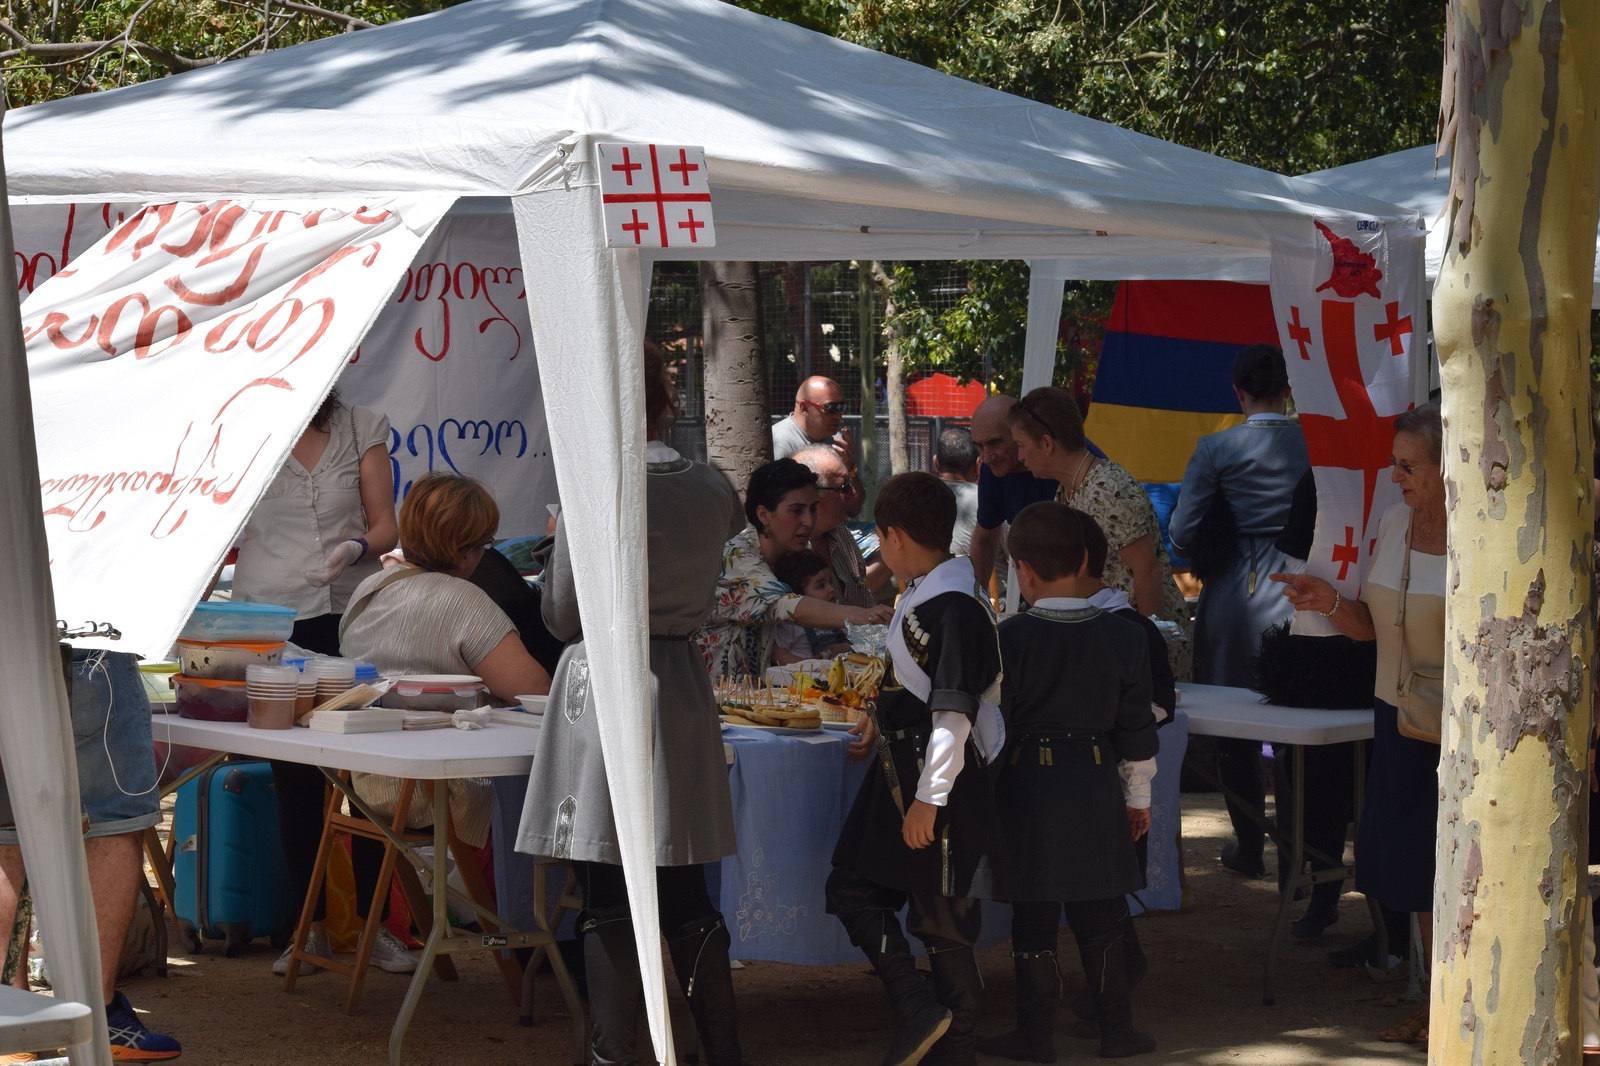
[{"x": 790, "y": 795}]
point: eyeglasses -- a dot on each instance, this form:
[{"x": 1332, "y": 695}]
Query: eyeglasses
[
  {"x": 842, "y": 489},
  {"x": 836, "y": 407},
  {"x": 1407, "y": 468}
]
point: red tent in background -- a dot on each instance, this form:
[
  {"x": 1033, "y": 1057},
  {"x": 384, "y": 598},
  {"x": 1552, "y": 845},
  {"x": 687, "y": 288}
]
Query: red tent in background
[{"x": 940, "y": 395}]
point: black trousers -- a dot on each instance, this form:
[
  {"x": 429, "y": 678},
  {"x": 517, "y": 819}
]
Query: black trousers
[
  {"x": 1240, "y": 768},
  {"x": 681, "y": 896},
  {"x": 301, "y": 791},
  {"x": 1329, "y": 797},
  {"x": 1035, "y": 925},
  {"x": 940, "y": 922}
]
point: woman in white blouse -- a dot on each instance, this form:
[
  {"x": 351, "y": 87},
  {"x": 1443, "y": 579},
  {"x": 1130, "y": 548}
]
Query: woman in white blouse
[{"x": 315, "y": 535}]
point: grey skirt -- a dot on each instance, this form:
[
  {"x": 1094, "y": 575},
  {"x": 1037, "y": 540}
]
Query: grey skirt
[{"x": 568, "y": 814}]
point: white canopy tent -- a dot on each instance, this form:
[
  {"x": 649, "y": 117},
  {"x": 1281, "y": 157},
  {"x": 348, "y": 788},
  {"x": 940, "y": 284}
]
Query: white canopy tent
[
  {"x": 1413, "y": 180},
  {"x": 816, "y": 149}
]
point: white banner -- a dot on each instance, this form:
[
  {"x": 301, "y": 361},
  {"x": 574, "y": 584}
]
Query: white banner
[
  {"x": 450, "y": 359},
  {"x": 1348, "y": 303},
  {"x": 173, "y": 366}
]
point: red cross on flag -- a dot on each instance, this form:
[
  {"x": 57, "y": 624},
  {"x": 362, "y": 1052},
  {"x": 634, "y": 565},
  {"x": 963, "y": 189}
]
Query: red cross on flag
[
  {"x": 655, "y": 196},
  {"x": 1347, "y": 299}
]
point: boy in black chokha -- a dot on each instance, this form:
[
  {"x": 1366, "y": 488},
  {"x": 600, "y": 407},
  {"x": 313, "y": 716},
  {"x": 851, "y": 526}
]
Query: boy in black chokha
[
  {"x": 1076, "y": 699},
  {"x": 923, "y": 829}
]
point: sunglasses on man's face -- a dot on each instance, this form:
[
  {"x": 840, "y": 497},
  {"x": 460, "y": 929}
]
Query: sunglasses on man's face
[{"x": 834, "y": 408}]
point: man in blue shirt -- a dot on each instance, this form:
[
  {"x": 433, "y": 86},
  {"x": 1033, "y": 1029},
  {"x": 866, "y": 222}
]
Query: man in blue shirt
[{"x": 1004, "y": 485}]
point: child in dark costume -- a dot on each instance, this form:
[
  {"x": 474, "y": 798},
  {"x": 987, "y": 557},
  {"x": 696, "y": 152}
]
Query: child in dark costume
[
  {"x": 923, "y": 829},
  {"x": 1077, "y": 705}
]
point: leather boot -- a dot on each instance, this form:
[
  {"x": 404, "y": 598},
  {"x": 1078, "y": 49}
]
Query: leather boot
[
  {"x": 956, "y": 982},
  {"x": 919, "y": 1020},
  {"x": 1106, "y": 965},
  {"x": 1085, "y": 1005},
  {"x": 1038, "y": 989},
  {"x": 616, "y": 991},
  {"x": 699, "y": 953}
]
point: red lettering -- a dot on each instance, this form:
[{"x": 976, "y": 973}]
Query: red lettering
[
  {"x": 52, "y": 330},
  {"x": 226, "y": 295},
  {"x": 161, "y": 214}
]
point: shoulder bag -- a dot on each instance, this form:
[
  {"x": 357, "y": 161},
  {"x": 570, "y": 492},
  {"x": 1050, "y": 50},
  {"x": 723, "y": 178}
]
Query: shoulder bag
[{"x": 1418, "y": 694}]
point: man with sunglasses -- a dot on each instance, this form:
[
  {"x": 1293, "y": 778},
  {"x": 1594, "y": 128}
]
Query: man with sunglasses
[{"x": 818, "y": 412}]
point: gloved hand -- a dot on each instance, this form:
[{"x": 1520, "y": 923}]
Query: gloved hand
[{"x": 344, "y": 555}]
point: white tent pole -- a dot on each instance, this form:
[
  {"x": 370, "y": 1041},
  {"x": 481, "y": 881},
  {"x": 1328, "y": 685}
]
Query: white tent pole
[
  {"x": 586, "y": 302},
  {"x": 1044, "y": 325},
  {"x": 42, "y": 777}
]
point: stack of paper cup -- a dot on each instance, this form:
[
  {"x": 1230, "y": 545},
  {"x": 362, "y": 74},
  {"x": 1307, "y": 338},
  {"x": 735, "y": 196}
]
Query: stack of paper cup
[
  {"x": 272, "y": 691},
  {"x": 307, "y": 698},
  {"x": 334, "y": 677}
]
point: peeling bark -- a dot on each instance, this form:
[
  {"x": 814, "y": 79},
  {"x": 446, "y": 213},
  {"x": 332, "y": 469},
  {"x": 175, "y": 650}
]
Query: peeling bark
[{"x": 1511, "y": 320}]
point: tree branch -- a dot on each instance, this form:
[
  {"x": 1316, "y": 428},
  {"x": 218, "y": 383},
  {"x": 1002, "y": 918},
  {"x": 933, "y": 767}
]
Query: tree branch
[{"x": 349, "y": 22}]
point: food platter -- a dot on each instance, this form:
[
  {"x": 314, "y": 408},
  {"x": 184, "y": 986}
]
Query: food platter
[
  {"x": 729, "y": 722},
  {"x": 831, "y": 696}
]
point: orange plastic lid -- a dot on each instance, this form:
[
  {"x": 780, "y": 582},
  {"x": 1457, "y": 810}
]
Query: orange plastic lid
[
  {"x": 207, "y": 682},
  {"x": 257, "y": 646}
]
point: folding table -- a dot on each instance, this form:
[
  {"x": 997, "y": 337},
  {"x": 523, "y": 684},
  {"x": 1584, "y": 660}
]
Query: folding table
[
  {"x": 433, "y": 755},
  {"x": 1219, "y": 711}
]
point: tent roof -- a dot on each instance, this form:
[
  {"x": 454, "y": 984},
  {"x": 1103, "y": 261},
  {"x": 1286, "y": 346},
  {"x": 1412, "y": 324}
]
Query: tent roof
[
  {"x": 1412, "y": 180},
  {"x": 497, "y": 97}
]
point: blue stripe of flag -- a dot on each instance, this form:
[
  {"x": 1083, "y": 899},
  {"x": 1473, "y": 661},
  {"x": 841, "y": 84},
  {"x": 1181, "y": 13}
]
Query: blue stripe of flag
[{"x": 1138, "y": 370}]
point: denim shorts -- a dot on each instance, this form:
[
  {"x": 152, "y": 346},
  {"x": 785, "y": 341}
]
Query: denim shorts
[{"x": 117, "y": 783}]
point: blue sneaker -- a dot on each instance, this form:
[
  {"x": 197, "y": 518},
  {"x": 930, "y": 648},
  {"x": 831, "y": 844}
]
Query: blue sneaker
[{"x": 130, "y": 1040}]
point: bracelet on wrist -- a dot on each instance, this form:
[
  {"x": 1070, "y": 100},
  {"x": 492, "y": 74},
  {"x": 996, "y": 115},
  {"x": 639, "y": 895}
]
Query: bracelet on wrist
[
  {"x": 1337, "y": 600},
  {"x": 364, "y": 548}
]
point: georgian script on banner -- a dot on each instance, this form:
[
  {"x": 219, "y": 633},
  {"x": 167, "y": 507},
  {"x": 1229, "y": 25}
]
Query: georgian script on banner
[
  {"x": 1346, "y": 299},
  {"x": 173, "y": 365},
  {"x": 449, "y": 360}
]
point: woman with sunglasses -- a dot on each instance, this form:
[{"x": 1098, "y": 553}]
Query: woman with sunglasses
[
  {"x": 1402, "y": 608},
  {"x": 1049, "y": 433}
]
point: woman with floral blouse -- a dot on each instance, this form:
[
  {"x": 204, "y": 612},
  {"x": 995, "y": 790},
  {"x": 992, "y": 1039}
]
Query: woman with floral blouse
[{"x": 781, "y": 504}]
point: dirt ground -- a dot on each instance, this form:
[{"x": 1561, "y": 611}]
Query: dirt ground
[{"x": 1202, "y": 999}]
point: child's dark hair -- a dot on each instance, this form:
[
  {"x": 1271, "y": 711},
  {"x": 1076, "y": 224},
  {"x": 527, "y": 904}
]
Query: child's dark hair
[
  {"x": 1048, "y": 536},
  {"x": 1094, "y": 542},
  {"x": 1259, "y": 373},
  {"x": 796, "y": 568},
  {"x": 918, "y": 505}
]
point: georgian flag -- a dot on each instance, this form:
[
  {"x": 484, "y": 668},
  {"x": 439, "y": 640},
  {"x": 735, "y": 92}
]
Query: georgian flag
[{"x": 1348, "y": 303}]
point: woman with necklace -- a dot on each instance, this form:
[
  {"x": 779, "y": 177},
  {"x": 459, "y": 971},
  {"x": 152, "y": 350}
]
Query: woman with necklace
[
  {"x": 1402, "y": 608},
  {"x": 1049, "y": 433}
]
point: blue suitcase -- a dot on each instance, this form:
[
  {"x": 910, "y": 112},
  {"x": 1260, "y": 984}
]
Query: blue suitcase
[{"x": 228, "y": 864}]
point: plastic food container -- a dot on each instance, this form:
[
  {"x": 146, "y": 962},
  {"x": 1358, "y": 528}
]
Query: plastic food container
[
  {"x": 437, "y": 692},
  {"x": 157, "y": 678},
  {"x": 211, "y": 700},
  {"x": 226, "y": 660},
  {"x": 214, "y": 621}
]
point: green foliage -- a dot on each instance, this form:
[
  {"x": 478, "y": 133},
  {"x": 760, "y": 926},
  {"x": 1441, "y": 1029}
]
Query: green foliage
[
  {"x": 1287, "y": 85},
  {"x": 152, "y": 38}
]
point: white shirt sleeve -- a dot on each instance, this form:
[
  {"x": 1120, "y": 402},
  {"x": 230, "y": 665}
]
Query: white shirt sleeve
[
  {"x": 944, "y": 758},
  {"x": 1136, "y": 777}
]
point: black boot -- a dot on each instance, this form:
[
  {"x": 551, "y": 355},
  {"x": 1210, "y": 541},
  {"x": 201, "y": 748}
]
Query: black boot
[
  {"x": 1086, "y": 1006},
  {"x": 699, "y": 953},
  {"x": 616, "y": 990},
  {"x": 919, "y": 1020},
  {"x": 1323, "y": 912},
  {"x": 1106, "y": 966},
  {"x": 956, "y": 982},
  {"x": 1038, "y": 989}
]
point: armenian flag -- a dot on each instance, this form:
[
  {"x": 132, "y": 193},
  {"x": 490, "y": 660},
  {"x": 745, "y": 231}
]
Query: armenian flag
[{"x": 1165, "y": 374}]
